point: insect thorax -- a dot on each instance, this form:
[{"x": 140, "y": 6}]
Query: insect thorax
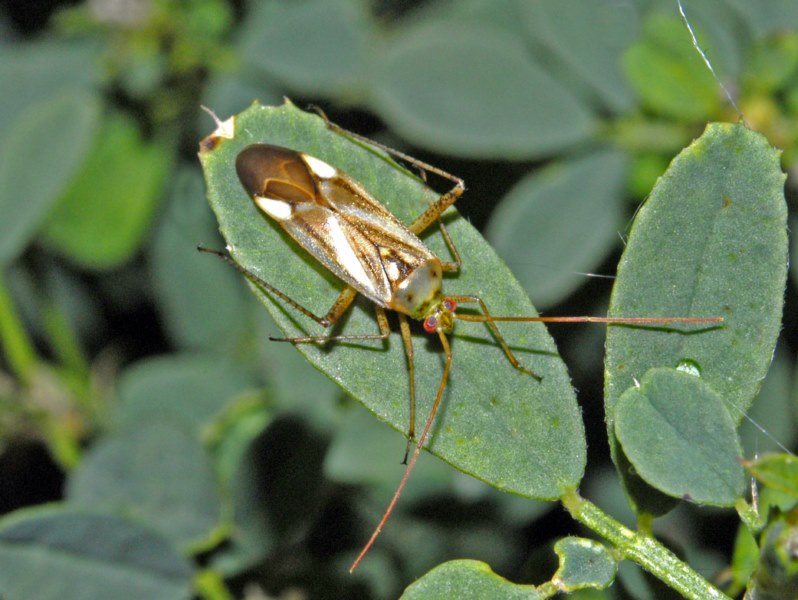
[{"x": 420, "y": 291}]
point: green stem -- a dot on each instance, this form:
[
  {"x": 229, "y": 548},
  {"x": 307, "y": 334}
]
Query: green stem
[
  {"x": 14, "y": 341},
  {"x": 642, "y": 549},
  {"x": 209, "y": 585},
  {"x": 64, "y": 342}
]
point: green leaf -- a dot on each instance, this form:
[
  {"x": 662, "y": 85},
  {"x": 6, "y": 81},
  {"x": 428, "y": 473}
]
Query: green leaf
[
  {"x": 720, "y": 33},
  {"x": 744, "y": 559},
  {"x": 588, "y": 38},
  {"x": 680, "y": 438},
  {"x": 526, "y": 227},
  {"x": 496, "y": 423},
  {"x": 277, "y": 492},
  {"x": 505, "y": 15},
  {"x": 41, "y": 152},
  {"x": 235, "y": 454},
  {"x": 364, "y": 452},
  {"x": 296, "y": 389},
  {"x": 465, "y": 580},
  {"x": 32, "y": 72},
  {"x": 710, "y": 241},
  {"x": 188, "y": 389},
  {"x": 584, "y": 564},
  {"x": 770, "y": 66},
  {"x": 768, "y": 16},
  {"x": 668, "y": 74},
  {"x": 203, "y": 304},
  {"x": 103, "y": 216},
  {"x": 474, "y": 91},
  {"x": 55, "y": 554},
  {"x": 778, "y": 471},
  {"x": 314, "y": 46},
  {"x": 157, "y": 474}
]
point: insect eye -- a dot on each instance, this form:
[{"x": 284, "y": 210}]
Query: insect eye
[
  {"x": 450, "y": 305},
  {"x": 431, "y": 324}
]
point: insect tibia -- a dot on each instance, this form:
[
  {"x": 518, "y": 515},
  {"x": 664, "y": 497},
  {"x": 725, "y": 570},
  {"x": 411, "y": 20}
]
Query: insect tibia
[
  {"x": 343, "y": 302},
  {"x": 538, "y": 378},
  {"x": 324, "y": 339}
]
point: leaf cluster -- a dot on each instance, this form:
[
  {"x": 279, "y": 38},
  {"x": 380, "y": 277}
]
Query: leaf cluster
[{"x": 154, "y": 443}]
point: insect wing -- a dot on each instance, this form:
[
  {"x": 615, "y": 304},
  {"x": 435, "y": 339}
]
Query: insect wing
[{"x": 333, "y": 218}]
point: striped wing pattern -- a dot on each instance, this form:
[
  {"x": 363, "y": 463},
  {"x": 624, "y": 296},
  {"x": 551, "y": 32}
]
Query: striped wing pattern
[{"x": 333, "y": 218}]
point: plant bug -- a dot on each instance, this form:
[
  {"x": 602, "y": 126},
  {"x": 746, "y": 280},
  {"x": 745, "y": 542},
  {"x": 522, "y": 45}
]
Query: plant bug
[{"x": 352, "y": 235}]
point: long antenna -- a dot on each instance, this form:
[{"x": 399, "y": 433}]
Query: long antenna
[
  {"x": 590, "y": 319},
  {"x": 447, "y": 350}
]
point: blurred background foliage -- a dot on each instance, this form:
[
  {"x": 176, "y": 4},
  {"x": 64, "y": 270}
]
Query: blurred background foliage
[{"x": 136, "y": 377}]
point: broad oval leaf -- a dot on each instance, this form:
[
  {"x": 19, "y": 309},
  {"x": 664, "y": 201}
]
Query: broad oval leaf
[
  {"x": 188, "y": 389},
  {"x": 474, "y": 91},
  {"x": 44, "y": 68},
  {"x": 53, "y": 553},
  {"x": 467, "y": 580},
  {"x": 584, "y": 564},
  {"x": 363, "y": 452},
  {"x": 496, "y": 423},
  {"x": 710, "y": 241},
  {"x": 41, "y": 152},
  {"x": 157, "y": 473},
  {"x": 678, "y": 435},
  {"x": 104, "y": 214},
  {"x": 588, "y": 37},
  {"x": 194, "y": 314},
  {"x": 667, "y": 75},
  {"x": 584, "y": 195},
  {"x": 236, "y": 453},
  {"x": 765, "y": 18},
  {"x": 311, "y": 46}
]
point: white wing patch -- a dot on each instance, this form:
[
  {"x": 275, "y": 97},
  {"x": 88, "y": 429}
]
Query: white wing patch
[
  {"x": 391, "y": 270},
  {"x": 276, "y": 209},
  {"x": 347, "y": 257},
  {"x": 319, "y": 167}
]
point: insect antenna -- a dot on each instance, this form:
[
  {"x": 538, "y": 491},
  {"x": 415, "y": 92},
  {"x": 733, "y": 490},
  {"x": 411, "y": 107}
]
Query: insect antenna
[
  {"x": 589, "y": 319},
  {"x": 416, "y": 453}
]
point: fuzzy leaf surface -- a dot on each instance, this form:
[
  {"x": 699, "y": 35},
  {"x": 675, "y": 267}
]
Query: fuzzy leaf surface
[{"x": 495, "y": 423}]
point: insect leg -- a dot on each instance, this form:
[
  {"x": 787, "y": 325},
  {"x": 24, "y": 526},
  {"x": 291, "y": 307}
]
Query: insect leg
[
  {"x": 382, "y": 322},
  {"x": 342, "y": 303},
  {"x": 404, "y": 327},
  {"x": 486, "y": 318},
  {"x": 267, "y": 286},
  {"x": 419, "y": 445},
  {"x": 429, "y": 216},
  {"x": 452, "y": 266}
]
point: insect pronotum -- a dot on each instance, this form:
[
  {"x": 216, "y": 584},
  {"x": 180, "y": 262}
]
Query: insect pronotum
[{"x": 351, "y": 234}]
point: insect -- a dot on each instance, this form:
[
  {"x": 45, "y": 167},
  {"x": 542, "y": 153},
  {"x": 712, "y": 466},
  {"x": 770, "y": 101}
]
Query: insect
[{"x": 338, "y": 222}]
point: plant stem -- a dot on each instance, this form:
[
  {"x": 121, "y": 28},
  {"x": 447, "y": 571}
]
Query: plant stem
[
  {"x": 13, "y": 339},
  {"x": 210, "y": 586},
  {"x": 643, "y": 549}
]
